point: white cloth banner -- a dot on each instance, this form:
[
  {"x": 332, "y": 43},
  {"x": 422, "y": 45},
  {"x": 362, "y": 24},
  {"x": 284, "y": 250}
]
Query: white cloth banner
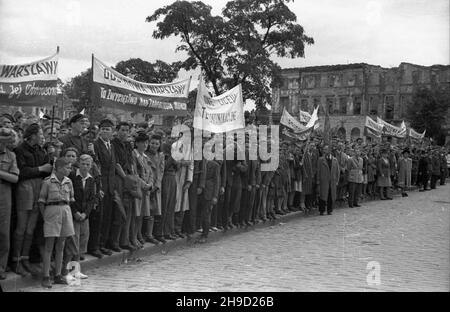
[
  {"x": 221, "y": 113},
  {"x": 45, "y": 69},
  {"x": 415, "y": 135},
  {"x": 373, "y": 125},
  {"x": 106, "y": 75},
  {"x": 390, "y": 130},
  {"x": 314, "y": 118},
  {"x": 289, "y": 121}
]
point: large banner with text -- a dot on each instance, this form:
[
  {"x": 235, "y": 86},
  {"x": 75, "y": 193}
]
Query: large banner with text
[
  {"x": 112, "y": 89},
  {"x": 390, "y": 130},
  {"x": 294, "y": 129},
  {"x": 221, "y": 113},
  {"x": 31, "y": 84}
]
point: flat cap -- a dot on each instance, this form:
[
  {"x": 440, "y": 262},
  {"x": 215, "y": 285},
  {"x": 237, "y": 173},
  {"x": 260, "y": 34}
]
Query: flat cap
[{"x": 76, "y": 118}]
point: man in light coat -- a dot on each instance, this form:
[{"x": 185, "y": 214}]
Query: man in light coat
[{"x": 327, "y": 180}]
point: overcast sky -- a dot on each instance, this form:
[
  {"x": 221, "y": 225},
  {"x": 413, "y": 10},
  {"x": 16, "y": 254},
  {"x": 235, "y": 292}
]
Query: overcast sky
[{"x": 381, "y": 32}]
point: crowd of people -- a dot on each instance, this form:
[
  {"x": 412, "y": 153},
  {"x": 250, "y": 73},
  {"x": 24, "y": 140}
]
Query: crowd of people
[{"x": 71, "y": 188}]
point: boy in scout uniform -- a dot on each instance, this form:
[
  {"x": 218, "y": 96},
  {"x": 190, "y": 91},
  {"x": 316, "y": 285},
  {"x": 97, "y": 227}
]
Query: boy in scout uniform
[
  {"x": 9, "y": 173},
  {"x": 54, "y": 202}
]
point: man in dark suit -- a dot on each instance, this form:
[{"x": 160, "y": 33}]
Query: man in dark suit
[
  {"x": 327, "y": 180},
  {"x": 210, "y": 185},
  {"x": 100, "y": 220}
]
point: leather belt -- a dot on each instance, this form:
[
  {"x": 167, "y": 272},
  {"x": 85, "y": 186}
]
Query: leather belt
[{"x": 57, "y": 203}]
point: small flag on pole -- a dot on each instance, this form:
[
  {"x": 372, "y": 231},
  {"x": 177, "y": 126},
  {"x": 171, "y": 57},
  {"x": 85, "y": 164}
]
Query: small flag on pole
[
  {"x": 41, "y": 114},
  {"x": 82, "y": 112}
]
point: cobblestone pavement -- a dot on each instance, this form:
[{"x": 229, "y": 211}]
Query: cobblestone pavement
[{"x": 407, "y": 237}]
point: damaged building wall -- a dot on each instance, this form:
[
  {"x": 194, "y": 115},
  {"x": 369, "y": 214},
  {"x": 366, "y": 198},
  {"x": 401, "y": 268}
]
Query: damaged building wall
[{"x": 350, "y": 92}]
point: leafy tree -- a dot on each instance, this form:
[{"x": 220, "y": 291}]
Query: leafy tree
[
  {"x": 158, "y": 72},
  {"x": 236, "y": 48},
  {"x": 79, "y": 89},
  {"x": 428, "y": 111}
]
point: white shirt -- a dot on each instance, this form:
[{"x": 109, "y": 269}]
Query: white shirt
[
  {"x": 107, "y": 144},
  {"x": 83, "y": 179}
]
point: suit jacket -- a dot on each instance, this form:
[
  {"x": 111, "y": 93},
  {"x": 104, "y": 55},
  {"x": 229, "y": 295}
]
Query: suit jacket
[
  {"x": 86, "y": 198},
  {"x": 355, "y": 167},
  {"x": 107, "y": 164},
  {"x": 212, "y": 180},
  {"x": 80, "y": 143}
]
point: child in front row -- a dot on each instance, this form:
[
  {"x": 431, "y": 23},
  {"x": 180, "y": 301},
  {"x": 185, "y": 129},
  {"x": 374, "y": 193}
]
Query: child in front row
[{"x": 54, "y": 202}]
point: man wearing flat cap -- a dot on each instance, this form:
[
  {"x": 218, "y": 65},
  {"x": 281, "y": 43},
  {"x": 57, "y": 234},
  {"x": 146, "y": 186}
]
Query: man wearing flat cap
[{"x": 74, "y": 139}]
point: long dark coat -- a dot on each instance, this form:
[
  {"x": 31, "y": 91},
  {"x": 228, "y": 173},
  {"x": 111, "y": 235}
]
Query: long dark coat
[
  {"x": 308, "y": 175},
  {"x": 327, "y": 178}
]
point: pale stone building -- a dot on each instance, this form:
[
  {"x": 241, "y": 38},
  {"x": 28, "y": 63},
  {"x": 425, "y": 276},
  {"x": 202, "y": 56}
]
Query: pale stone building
[{"x": 350, "y": 92}]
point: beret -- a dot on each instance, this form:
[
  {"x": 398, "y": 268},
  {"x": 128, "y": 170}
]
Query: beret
[
  {"x": 31, "y": 129},
  {"x": 76, "y": 118},
  {"x": 141, "y": 136}
]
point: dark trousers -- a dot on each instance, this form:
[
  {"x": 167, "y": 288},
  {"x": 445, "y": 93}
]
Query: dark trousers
[
  {"x": 217, "y": 212},
  {"x": 328, "y": 203},
  {"x": 227, "y": 210},
  {"x": 106, "y": 208},
  {"x": 424, "y": 180},
  {"x": 127, "y": 230},
  {"x": 443, "y": 176},
  {"x": 168, "y": 200},
  {"x": 179, "y": 217},
  {"x": 309, "y": 201},
  {"x": 243, "y": 212},
  {"x": 118, "y": 222},
  {"x": 206, "y": 208},
  {"x": 354, "y": 191},
  {"x": 5, "y": 218},
  {"x": 434, "y": 179},
  {"x": 190, "y": 220},
  {"x": 95, "y": 224}
]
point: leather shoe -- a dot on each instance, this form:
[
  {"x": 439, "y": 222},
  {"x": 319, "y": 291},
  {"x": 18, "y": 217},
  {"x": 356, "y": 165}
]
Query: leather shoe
[
  {"x": 2, "y": 275},
  {"x": 356, "y": 205},
  {"x": 60, "y": 280},
  {"x": 321, "y": 213},
  {"x": 127, "y": 247},
  {"x": 105, "y": 251},
  {"x": 170, "y": 237},
  {"x": 329, "y": 213},
  {"x": 116, "y": 248},
  {"x": 161, "y": 239},
  {"x": 179, "y": 235},
  {"x": 46, "y": 282},
  {"x": 96, "y": 253},
  {"x": 152, "y": 240}
]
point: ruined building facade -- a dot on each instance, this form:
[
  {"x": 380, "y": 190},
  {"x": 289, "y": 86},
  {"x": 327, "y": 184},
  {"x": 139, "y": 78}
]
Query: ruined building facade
[{"x": 351, "y": 92}]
